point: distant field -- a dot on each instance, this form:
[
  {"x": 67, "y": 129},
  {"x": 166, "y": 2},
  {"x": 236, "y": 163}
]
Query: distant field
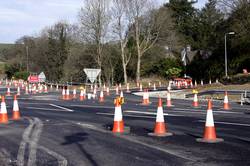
[{"x": 5, "y": 46}]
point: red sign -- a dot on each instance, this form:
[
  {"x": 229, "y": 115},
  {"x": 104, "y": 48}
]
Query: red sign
[{"x": 33, "y": 79}]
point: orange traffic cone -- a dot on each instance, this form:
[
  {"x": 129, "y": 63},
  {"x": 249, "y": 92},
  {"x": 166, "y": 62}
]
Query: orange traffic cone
[
  {"x": 226, "y": 104},
  {"x": 3, "y": 113},
  {"x": 8, "y": 91},
  {"x": 67, "y": 97},
  {"x": 107, "y": 91},
  {"x": 117, "y": 90},
  {"x": 101, "y": 99},
  {"x": 63, "y": 94},
  {"x": 118, "y": 126},
  {"x": 18, "y": 91},
  {"x": 128, "y": 88},
  {"x": 82, "y": 95},
  {"x": 169, "y": 103},
  {"x": 195, "y": 102},
  {"x": 74, "y": 93},
  {"x": 209, "y": 132},
  {"x": 26, "y": 90},
  {"x": 141, "y": 87},
  {"x": 145, "y": 98},
  {"x": 155, "y": 87},
  {"x": 16, "y": 113},
  {"x": 160, "y": 128}
]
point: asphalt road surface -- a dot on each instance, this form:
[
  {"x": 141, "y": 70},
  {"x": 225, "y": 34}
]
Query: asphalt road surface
[{"x": 57, "y": 132}]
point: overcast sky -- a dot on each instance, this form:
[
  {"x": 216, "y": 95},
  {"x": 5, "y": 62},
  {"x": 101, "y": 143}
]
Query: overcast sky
[{"x": 28, "y": 17}]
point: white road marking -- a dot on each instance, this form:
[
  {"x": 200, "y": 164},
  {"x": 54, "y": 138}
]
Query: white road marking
[
  {"x": 47, "y": 109},
  {"x": 57, "y": 106},
  {"x": 229, "y": 123},
  {"x": 135, "y": 116},
  {"x": 91, "y": 106}
]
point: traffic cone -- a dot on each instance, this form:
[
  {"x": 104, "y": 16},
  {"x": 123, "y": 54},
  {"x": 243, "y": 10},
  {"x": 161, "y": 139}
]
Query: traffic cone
[
  {"x": 169, "y": 103},
  {"x": 67, "y": 97},
  {"x": 26, "y": 90},
  {"x": 63, "y": 94},
  {"x": 178, "y": 85},
  {"x": 82, "y": 95},
  {"x": 195, "y": 102},
  {"x": 121, "y": 94},
  {"x": 18, "y": 91},
  {"x": 128, "y": 88},
  {"x": 117, "y": 90},
  {"x": 209, "y": 132},
  {"x": 45, "y": 89},
  {"x": 74, "y": 93},
  {"x": 8, "y": 91},
  {"x": 3, "y": 113},
  {"x": 145, "y": 98},
  {"x": 107, "y": 91},
  {"x": 141, "y": 87},
  {"x": 101, "y": 99},
  {"x": 226, "y": 103},
  {"x": 16, "y": 113},
  {"x": 118, "y": 126},
  {"x": 160, "y": 128},
  {"x": 154, "y": 87}
]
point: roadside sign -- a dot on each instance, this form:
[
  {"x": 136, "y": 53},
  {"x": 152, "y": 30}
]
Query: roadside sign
[
  {"x": 42, "y": 77},
  {"x": 33, "y": 79},
  {"x": 92, "y": 74}
]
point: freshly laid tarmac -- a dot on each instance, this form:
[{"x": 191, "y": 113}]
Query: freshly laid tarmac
[{"x": 57, "y": 132}]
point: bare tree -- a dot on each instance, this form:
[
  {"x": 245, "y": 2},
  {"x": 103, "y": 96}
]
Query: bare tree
[
  {"x": 94, "y": 18},
  {"x": 120, "y": 27},
  {"x": 145, "y": 27}
]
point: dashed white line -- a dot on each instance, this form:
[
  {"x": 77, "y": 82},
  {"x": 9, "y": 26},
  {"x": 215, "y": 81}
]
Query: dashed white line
[{"x": 57, "y": 106}]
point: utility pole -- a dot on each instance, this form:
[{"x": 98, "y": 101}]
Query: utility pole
[
  {"x": 27, "y": 58},
  {"x": 229, "y": 33}
]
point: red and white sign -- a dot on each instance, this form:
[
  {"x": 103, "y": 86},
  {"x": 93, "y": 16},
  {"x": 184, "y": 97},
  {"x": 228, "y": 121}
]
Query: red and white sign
[{"x": 33, "y": 79}]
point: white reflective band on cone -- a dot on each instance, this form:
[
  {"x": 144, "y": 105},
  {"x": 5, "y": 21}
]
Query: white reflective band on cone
[
  {"x": 15, "y": 107},
  {"x": 3, "y": 108},
  {"x": 118, "y": 114},
  {"x": 209, "y": 119},
  {"x": 159, "y": 116}
]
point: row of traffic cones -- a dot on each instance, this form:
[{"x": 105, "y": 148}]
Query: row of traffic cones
[
  {"x": 160, "y": 127},
  {"x": 226, "y": 105},
  {"x": 3, "y": 113}
]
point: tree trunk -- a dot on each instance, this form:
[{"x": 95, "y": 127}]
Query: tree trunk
[
  {"x": 124, "y": 65},
  {"x": 138, "y": 70}
]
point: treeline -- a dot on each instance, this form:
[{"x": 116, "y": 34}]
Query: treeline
[{"x": 130, "y": 39}]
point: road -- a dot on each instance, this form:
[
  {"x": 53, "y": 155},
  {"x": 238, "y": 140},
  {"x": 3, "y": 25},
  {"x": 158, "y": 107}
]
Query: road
[{"x": 57, "y": 132}]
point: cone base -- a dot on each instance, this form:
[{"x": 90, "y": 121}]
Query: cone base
[
  {"x": 125, "y": 131},
  {"x": 16, "y": 115},
  {"x": 160, "y": 134},
  {"x": 217, "y": 140}
]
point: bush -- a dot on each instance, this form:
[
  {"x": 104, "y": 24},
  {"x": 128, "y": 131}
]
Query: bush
[
  {"x": 173, "y": 72},
  {"x": 21, "y": 75}
]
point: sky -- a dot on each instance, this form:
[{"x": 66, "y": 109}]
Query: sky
[{"x": 29, "y": 17}]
